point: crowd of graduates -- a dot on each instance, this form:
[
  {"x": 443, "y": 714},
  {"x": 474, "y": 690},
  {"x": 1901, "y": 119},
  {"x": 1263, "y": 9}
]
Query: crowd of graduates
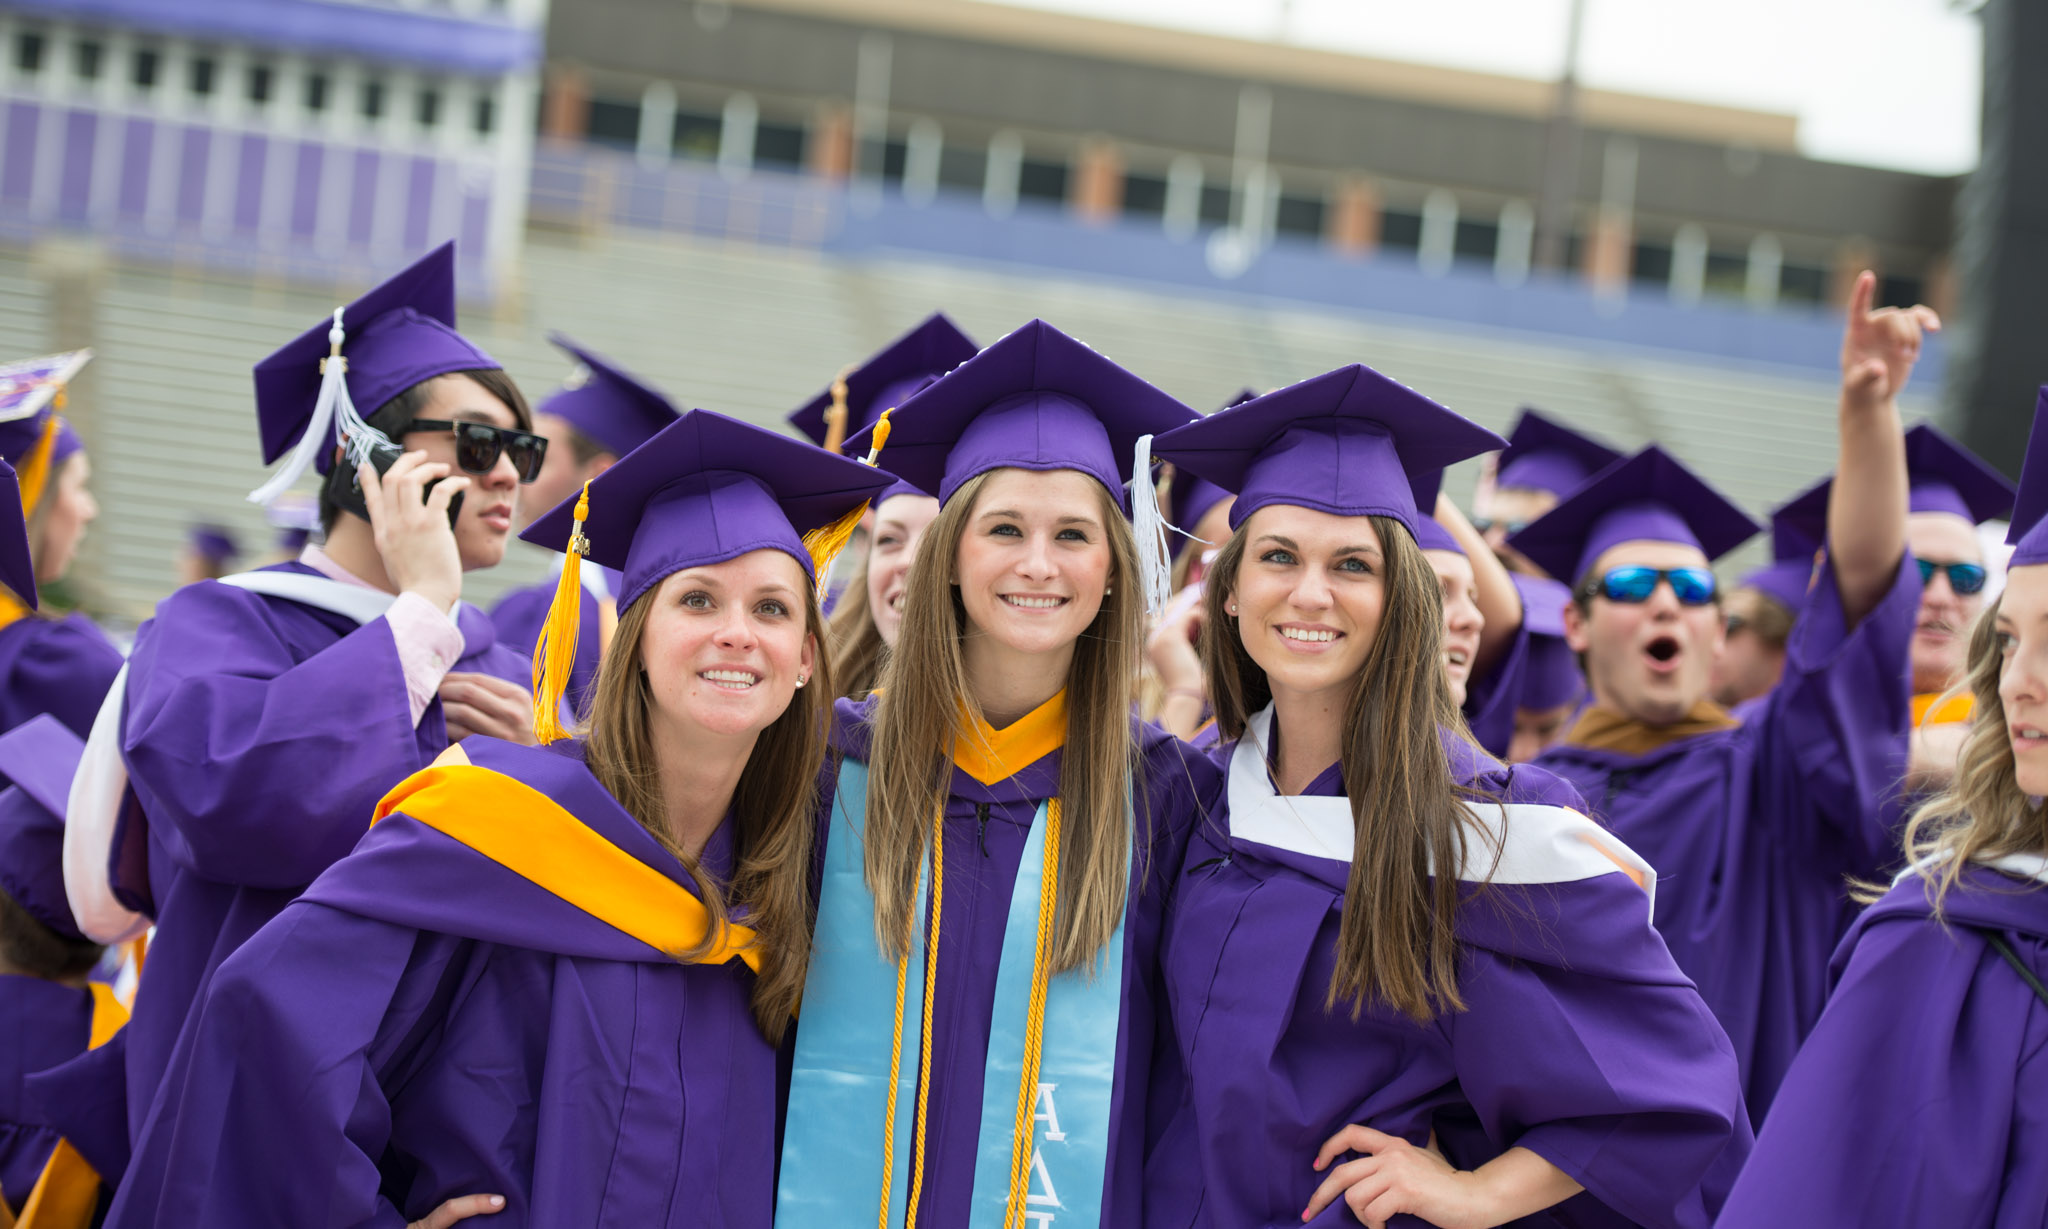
[{"x": 1026, "y": 802}]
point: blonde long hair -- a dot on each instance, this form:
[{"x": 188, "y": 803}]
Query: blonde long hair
[
  {"x": 858, "y": 649},
  {"x": 774, "y": 807},
  {"x": 1397, "y": 940},
  {"x": 919, "y": 719},
  {"x": 1983, "y": 814}
]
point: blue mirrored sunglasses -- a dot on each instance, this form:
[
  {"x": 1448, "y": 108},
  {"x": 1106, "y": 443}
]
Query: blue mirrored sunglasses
[
  {"x": 1691, "y": 586},
  {"x": 1964, "y": 578}
]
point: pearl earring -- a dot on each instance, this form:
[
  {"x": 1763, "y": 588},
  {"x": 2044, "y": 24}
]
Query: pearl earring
[{"x": 801, "y": 679}]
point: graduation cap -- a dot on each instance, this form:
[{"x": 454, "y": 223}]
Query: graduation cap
[
  {"x": 1799, "y": 529},
  {"x": 1429, "y": 532},
  {"x": 400, "y": 333},
  {"x": 1648, "y": 497},
  {"x": 1947, "y": 477},
  {"x": 17, "y": 568},
  {"x": 39, "y": 757},
  {"x": 295, "y": 515},
  {"x": 34, "y": 438},
  {"x": 887, "y": 379},
  {"x": 2029, "y": 532},
  {"x": 1545, "y": 455},
  {"x": 214, "y": 542},
  {"x": 1038, "y": 400},
  {"x": 1350, "y": 442},
  {"x": 1551, "y": 676},
  {"x": 705, "y": 489},
  {"x": 605, "y": 402}
]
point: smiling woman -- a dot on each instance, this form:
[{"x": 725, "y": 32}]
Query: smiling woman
[
  {"x": 556, "y": 916},
  {"x": 1003, "y": 832},
  {"x": 1384, "y": 909}
]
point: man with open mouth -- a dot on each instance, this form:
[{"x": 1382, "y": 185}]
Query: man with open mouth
[{"x": 1754, "y": 824}]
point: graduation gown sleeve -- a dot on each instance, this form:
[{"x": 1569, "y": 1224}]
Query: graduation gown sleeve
[
  {"x": 228, "y": 732},
  {"x": 1921, "y": 1097}
]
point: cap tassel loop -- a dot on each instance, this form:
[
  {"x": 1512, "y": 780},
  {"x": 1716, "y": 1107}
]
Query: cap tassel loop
[
  {"x": 836, "y": 414},
  {"x": 334, "y": 412},
  {"x": 555, "y": 655},
  {"x": 1155, "y": 569},
  {"x": 826, "y": 542}
]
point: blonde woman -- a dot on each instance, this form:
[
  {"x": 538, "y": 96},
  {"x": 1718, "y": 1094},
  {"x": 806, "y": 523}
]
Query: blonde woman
[
  {"x": 1919, "y": 1097},
  {"x": 979, "y": 1026},
  {"x": 550, "y": 982}
]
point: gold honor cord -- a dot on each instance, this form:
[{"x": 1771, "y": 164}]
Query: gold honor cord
[{"x": 1023, "y": 1134}]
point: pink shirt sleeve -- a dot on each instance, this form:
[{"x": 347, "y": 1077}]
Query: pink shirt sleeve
[{"x": 429, "y": 645}]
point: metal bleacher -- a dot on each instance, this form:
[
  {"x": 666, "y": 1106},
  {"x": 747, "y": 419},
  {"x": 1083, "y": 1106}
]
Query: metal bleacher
[{"x": 754, "y": 331}]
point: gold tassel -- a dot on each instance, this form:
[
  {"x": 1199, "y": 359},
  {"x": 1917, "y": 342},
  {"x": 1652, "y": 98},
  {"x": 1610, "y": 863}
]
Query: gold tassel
[
  {"x": 825, "y": 542},
  {"x": 555, "y": 654},
  {"x": 836, "y": 414}
]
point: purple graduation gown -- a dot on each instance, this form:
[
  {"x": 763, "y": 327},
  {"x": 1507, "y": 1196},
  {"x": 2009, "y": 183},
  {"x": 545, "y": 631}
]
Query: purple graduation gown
[
  {"x": 62, "y": 667},
  {"x": 42, "y": 1024},
  {"x": 1580, "y": 1041},
  {"x": 259, "y": 735},
  {"x": 986, "y": 828},
  {"x": 1492, "y": 698},
  {"x": 520, "y": 614},
  {"x": 424, "y": 1023},
  {"x": 1922, "y": 1096},
  {"x": 1754, "y": 830}
]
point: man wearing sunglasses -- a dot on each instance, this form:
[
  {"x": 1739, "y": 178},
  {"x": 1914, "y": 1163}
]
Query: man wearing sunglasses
[
  {"x": 600, "y": 414},
  {"x": 1755, "y": 823}
]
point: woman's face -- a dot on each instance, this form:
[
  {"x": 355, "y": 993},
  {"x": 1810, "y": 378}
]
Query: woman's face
[
  {"x": 1308, "y": 597},
  {"x": 1033, "y": 564},
  {"x": 1462, "y": 620},
  {"x": 726, "y": 645},
  {"x": 900, "y": 523},
  {"x": 2023, "y": 673},
  {"x": 71, "y": 509}
]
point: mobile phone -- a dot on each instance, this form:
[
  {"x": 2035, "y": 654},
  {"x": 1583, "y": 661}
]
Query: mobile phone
[{"x": 347, "y": 490}]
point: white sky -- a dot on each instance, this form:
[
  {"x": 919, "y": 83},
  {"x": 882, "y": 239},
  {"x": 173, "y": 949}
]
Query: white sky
[{"x": 1882, "y": 82}]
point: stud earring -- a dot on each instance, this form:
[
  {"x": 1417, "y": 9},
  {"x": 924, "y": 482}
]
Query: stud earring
[
  {"x": 1230, "y": 608},
  {"x": 801, "y": 679}
]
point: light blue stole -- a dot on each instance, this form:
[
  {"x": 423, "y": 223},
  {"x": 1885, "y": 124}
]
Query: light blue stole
[{"x": 839, "y": 1087}]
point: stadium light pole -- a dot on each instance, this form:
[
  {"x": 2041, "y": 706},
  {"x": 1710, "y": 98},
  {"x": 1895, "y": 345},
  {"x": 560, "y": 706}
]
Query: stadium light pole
[{"x": 1561, "y": 154}]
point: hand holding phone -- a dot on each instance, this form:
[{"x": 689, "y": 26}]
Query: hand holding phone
[{"x": 409, "y": 505}]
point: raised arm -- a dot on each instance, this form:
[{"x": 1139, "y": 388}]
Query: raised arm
[
  {"x": 1867, "y": 505},
  {"x": 1500, "y": 603}
]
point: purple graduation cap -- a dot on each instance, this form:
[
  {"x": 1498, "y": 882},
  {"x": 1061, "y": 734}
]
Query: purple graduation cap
[
  {"x": 1552, "y": 676},
  {"x": 29, "y": 390},
  {"x": 1648, "y": 497},
  {"x": 1545, "y": 455},
  {"x": 213, "y": 542},
  {"x": 1349, "y": 442},
  {"x": 295, "y": 515},
  {"x": 2029, "y": 532},
  {"x": 1947, "y": 477},
  {"x": 1188, "y": 500},
  {"x": 398, "y": 334},
  {"x": 705, "y": 489},
  {"x": 607, "y": 403},
  {"x": 1799, "y": 528},
  {"x": 1429, "y": 532},
  {"x": 1035, "y": 400},
  {"x": 889, "y": 378},
  {"x": 39, "y": 757},
  {"x": 17, "y": 568}
]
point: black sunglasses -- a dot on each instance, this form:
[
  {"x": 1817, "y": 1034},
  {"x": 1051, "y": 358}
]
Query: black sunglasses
[
  {"x": 478, "y": 446},
  {"x": 1485, "y": 524},
  {"x": 1964, "y": 578}
]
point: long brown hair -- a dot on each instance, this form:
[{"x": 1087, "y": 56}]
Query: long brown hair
[
  {"x": 920, "y": 717},
  {"x": 858, "y": 649},
  {"x": 1983, "y": 814},
  {"x": 773, "y": 808},
  {"x": 1396, "y": 942}
]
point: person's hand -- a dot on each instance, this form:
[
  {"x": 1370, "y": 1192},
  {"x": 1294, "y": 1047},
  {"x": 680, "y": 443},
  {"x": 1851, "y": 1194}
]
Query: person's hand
[
  {"x": 411, "y": 526},
  {"x": 488, "y": 705},
  {"x": 1395, "y": 1176},
  {"x": 461, "y": 1208},
  {"x": 1880, "y": 347},
  {"x": 1170, "y": 646}
]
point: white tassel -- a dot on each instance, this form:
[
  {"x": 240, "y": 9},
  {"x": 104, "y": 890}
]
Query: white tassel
[
  {"x": 333, "y": 410},
  {"x": 1155, "y": 570}
]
